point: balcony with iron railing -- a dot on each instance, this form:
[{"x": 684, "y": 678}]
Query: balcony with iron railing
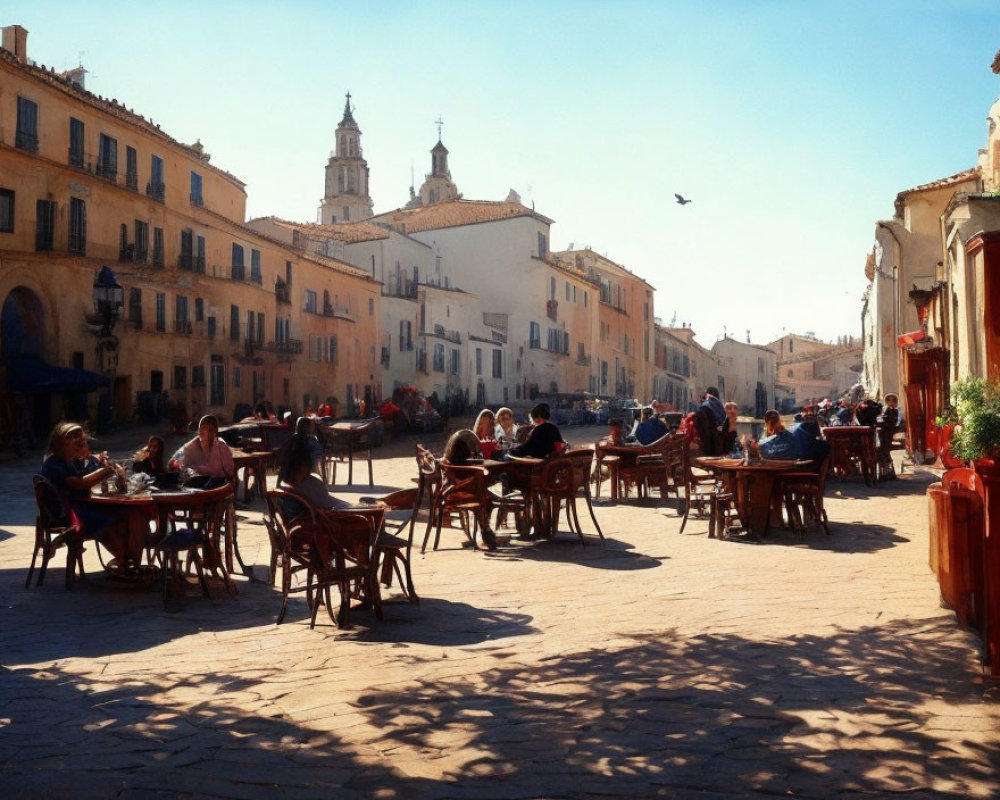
[
  {"x": 183, "y": 326},
  {"x": 197, "y": 199},
  {"x": 238, "y": 272},
  {"x": 451, "y": 336},
  {"x": 584, "y": 361},
  {"x": 157, "y": 191},
  {"x": 26, "y": 141},
  {"x": 282, "y": 293},
  {"x": 80, "y": 159},
  {"x": 290, "y": 347},
  {"x": 132, "y": 180},
  {"x": 107, "y": 170},
  {"x": 190, "y": 263},
  {"x": 337, "y": 311}
]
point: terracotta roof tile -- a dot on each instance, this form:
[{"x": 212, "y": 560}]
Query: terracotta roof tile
[
  {"x": 347, "y": 232},
  {"x": 942, "y": 183},
  {"x": 453, "y": 213}
]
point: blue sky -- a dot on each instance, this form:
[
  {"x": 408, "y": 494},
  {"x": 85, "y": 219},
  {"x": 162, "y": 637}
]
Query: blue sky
[{"x": 792, "y": 125}]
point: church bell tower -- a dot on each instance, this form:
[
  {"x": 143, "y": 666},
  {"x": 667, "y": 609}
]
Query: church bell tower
[{"x": 346, "y": 198}]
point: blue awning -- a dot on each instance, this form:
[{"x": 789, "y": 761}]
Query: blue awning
[{"x": 34, "y": 376}]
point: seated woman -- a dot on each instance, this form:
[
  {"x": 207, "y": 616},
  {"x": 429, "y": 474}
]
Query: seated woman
[
  {"x": 73, "y": 471},
  {"x": 505, "y": 431},
  {"x": 485, "y": 432},
  {"x": 777, "y": 442},
  {"x": 544, "y": 439},
  {"x": 295, "y": 472},
  {"x": 206, "y": 454},
  {"x": 462, "y": 447},
  {"x": 150, "y": 459},
  {"x": 616, "y": 434}
]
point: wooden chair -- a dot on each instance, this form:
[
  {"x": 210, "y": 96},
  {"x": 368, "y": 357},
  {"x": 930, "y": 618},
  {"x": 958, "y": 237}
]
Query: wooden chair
[
  {"x": 652, "y": 466},
  {"x": 802, "y": 494},
  {"x": 192, "y": 525},
  {"x": 54, "y": 528},
  {"x": 463, "y": 493},
  {"x": 291, "y": 525},
  {"x": 392, "y": 548},
  {"x": 428, "y": 485},
  {"x": 563, "y": 478},
  {"x": 346, "y": 543},
  {"x": 699, "y": 488}
]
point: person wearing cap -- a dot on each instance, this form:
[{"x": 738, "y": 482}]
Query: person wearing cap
[
  {"x": 650, "y": 427},
  {"x": 207, "y": 454}
]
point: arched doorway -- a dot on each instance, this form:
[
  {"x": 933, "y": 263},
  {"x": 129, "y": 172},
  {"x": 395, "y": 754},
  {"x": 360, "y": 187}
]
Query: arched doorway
[
  {"x": 22, "y": 324},
  {"x": 22, "y": 333}
]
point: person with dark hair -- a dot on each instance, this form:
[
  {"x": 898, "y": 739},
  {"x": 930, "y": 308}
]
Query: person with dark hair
[
  {"x": 544, "y": 439},
  {"x": 150, "y": 459},
  {"x": 306, "y": 428},
  {"x": 295, "y": 472},
  {"x": 207, "y": 454},
  {"x": 463, "y": 445},
  {"x": 714, "y": 404}
]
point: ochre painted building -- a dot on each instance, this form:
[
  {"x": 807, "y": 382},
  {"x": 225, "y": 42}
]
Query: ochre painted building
[{"x": 213, "y": 314}]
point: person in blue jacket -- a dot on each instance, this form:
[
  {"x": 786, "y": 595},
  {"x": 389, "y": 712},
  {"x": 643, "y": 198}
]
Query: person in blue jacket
[
  {"x": 777, "y": 442},
  {"x": 811, "y": 444}
]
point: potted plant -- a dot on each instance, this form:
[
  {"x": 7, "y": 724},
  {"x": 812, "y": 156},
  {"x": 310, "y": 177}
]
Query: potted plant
[
  {"x": 977, "y": 406},
  {"x": 946, "y": 422}
]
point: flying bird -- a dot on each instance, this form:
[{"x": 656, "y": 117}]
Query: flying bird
[{"x": 681, "y": 199}]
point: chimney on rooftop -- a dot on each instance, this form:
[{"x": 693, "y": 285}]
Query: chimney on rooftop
[{"x": 15, "y": 40}]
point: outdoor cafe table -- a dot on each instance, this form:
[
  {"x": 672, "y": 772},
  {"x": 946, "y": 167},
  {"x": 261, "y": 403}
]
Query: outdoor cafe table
[
  {"x": 523, "y": 474},
  {"x": 752, "y": 484},
  {"x": 852, "y": 451},
  {"x": 254, "y": 464},
  {"x": 140, "y": 509}
]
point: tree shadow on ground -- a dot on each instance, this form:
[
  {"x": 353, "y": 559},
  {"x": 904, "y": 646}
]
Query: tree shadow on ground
[
  {"x": 108, "y": 619},
  {"x": 566, "y": 548},
  {"x": 852, "y": 714}
]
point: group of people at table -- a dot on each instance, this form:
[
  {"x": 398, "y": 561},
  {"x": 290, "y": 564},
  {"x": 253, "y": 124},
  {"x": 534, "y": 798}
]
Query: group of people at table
[{"x": 74, "y": 470}]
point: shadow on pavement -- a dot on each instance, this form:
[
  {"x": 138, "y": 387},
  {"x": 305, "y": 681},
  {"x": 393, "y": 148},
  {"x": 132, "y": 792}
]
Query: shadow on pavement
[{"x": 855, "y": 713}]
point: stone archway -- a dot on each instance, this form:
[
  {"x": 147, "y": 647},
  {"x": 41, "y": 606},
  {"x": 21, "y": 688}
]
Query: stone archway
[
  {"x": 22, "y": 333},
  {"x": 22, "y": 324}
]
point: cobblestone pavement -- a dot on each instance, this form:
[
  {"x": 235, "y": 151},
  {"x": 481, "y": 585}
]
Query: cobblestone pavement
[{"x": 659, "y": 665}]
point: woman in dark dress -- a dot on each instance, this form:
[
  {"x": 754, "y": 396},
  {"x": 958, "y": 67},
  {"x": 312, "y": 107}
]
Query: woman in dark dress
[{"x": 73, "y": 471}]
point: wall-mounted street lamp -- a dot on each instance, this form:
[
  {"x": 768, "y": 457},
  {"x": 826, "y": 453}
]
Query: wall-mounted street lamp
[{"x": 109, "y": 299}]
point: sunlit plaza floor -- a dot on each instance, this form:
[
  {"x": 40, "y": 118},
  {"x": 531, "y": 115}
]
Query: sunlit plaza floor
[{"x": 658, "y": 665}]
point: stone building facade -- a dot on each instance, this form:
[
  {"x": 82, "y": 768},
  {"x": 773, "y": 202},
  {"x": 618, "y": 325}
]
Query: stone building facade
[{"x": 212, "y": 313}]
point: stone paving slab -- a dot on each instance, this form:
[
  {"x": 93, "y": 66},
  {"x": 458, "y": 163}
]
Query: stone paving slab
[{"x": 658, "y": 665}]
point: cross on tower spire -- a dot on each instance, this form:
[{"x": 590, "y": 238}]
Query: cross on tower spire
[{"x": 439, "y": 122}]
